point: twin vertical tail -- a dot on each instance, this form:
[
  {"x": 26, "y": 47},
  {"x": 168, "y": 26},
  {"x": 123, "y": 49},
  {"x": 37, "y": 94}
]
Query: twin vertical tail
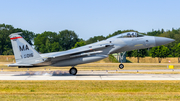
[{"x": 23, "y": 52}]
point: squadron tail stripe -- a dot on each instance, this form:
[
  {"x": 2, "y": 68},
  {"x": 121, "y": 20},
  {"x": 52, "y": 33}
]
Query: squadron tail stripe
[{"x": 15, "y": 38}]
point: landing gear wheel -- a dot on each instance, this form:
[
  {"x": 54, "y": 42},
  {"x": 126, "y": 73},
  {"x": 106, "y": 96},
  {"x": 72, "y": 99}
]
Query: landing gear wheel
[
  {"x": 121, "y": 66},
  {"x": 73, "y": 71}
]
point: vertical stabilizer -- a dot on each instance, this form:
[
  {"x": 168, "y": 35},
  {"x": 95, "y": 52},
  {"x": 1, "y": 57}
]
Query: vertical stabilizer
[{"x": 23, "y": 52}]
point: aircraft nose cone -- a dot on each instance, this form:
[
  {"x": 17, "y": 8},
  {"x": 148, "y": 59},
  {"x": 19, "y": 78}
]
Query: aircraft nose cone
[{"x": 162, "y": 41}]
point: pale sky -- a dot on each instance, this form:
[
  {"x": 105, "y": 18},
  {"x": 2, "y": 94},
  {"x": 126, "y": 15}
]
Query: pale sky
[{"x": 90, "y": 18}]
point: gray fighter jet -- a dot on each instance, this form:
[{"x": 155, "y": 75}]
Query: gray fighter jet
[{"x": 26, "y": 56}]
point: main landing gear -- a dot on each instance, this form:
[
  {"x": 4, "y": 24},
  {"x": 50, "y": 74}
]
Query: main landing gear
[{"x": 73, "y": 71}]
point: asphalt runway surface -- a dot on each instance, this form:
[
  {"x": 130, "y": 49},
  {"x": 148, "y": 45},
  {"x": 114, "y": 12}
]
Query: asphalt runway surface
[{"x": 88, "y": 75}]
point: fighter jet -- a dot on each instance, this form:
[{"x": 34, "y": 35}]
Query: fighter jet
[{"x": 26, "y": 56}]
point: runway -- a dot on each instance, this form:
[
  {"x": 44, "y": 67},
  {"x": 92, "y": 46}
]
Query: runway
[{"x": 86, "y": 75}]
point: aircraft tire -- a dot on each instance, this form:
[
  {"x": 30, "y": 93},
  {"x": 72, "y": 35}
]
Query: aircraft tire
[
  {"x": 121, "y": 66},
  {"x": 73, "y": 71}
]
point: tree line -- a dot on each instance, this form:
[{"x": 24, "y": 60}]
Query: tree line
[
  {"x": 63, "y": 40},
  {"x": 163, "y": 51}
]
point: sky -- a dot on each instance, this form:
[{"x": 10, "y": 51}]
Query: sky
[{"x": 89, "y": 18}]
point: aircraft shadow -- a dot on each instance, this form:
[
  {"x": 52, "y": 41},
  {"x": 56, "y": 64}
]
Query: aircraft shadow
[
  {"x": 44, "y": 73},
  {"x": 58, "y": 73}
]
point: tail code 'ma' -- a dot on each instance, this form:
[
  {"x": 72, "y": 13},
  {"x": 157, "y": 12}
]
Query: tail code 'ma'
[{"x": 21, "y": 48}]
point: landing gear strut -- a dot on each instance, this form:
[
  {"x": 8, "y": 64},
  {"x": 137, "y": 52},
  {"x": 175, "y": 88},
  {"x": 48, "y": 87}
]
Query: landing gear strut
[
  {"x": 121, "y": 66},
  {"x": 73, "y": 71}
]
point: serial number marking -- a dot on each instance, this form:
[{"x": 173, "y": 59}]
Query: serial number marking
[{"x": 27, "y": 55}]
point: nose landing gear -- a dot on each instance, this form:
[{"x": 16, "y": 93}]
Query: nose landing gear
[
  {"x": 121, "y": 55},
  {"x": 73, "y": 71}
]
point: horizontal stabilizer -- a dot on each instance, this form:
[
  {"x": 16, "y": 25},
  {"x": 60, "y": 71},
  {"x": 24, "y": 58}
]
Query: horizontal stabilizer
[{"x": 15, "y": 65}]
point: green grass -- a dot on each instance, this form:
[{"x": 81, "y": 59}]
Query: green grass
[{"x": 89, "y": 90}]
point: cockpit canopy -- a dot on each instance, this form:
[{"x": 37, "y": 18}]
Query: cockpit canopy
[{"x": 128, "y": 35}]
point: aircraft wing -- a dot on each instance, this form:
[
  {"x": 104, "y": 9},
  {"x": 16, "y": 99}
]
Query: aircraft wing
[{"x": 81, "y": 51}]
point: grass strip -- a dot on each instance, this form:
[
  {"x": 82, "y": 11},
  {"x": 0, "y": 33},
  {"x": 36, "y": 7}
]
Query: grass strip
[{"x": 89, "y": 90}]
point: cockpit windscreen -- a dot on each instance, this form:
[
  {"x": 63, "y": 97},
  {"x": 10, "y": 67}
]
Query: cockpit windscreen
[{"x": 129, "y": 35}]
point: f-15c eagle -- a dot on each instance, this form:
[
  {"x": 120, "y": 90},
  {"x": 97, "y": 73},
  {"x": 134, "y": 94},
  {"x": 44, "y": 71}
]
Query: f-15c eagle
[{"x": 26, "y": 56}]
